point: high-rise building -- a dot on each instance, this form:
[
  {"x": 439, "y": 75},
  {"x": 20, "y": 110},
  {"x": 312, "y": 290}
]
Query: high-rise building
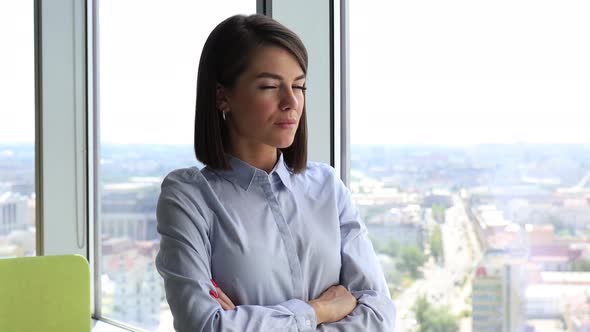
[
  {"x": 133, "y": 225},
  {"x": 137, "y": 289},
  {"x": 13, "y": 213},
  {"x": 403, "y": 225},
  {"x": 128, "y": 210},
  {"x": 498, "y": 292}
]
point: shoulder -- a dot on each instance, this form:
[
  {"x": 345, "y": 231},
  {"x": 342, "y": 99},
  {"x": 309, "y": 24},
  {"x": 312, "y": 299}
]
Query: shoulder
[
  {"x": 325, "y": 178},
  {"x": 182, "y": 178},
  {"x": 187, "y": 184},
  {"x": 317, "y": 172},
  {"x": 319, "y": 169},
  {"x": 183, "y": 205},
  {"x": 186, "y": 189},
  {"x": 318, "y": 179}
]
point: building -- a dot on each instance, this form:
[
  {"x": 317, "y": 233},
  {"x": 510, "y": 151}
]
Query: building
[
  {"x": 438, "y": 197},
  {"x": 540, "y": 235},
  {"x": 10, "y": 250},
  {"x": 136, "y": 289},
  {"x": 128, "y": 209},
  {"x": 563, "y": 296},
  {"x": 132, "y": 225},
  {"x": 556, "y": 257},
  {"x": 577, "y": 313},
  {"x": 13, "y": 213},
  {"x": 547, "y": 301},
  {"x": 493, "y": 230},
  {"x": 498, "y": 292},
  {"x": 405, "y": 226}
]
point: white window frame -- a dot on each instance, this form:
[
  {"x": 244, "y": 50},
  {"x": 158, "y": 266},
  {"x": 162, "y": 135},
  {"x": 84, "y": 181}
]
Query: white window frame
[
  {"x": 60, "y": 129},
  {"x": 316, "y": 31},
  {"x": 323, "y": 31}
]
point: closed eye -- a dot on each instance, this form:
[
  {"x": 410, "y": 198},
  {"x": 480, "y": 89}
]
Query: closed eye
[
  {"x": 302, "y": 88},
  {"x": 267, "y": 87}
]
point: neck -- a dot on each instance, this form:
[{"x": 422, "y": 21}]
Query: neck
[{"x": 262, "y": 157}]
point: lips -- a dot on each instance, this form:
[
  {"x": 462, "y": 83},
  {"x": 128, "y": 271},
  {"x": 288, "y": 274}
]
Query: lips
[{"x": 286, "y": 122}]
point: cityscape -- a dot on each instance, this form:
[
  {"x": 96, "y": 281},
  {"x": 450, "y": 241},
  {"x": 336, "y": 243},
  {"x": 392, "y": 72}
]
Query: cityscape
[{"x": 490, "y": 237}]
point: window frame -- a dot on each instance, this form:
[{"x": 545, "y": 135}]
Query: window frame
[{"x": 60, "y": 128}]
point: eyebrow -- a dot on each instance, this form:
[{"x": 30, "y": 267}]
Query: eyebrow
[{"x": 277, "y": 77}]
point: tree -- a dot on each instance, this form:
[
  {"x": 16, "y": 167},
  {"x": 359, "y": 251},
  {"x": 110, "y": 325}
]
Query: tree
[
  {"x": 438, "y": 212},
  {"x": 561, "y": 228},
  {"x": 374, "y": 210},
  {"x": 421, "y": 307},
  {"x": 581, "y": 265},
  {"x": 391, "y": 248},
  {"x": 433, "y": 319},
  {"x": 436, "y": 243},
  {"x": 377, "y": 245},
  {"x": 411, "y": 259},
  {"x": 393, "y": 277},
  {"x": 439, "y": 320}
]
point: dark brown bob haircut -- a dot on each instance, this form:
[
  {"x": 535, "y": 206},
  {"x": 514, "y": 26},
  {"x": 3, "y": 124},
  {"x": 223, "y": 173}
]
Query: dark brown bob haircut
[{"x": 225, "y": 56}]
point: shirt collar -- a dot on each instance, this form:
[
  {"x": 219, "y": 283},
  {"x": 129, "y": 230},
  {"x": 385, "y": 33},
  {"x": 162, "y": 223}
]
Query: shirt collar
[
  {"x": 283, "y": 172},
  {"x": 243, "y": 174}
]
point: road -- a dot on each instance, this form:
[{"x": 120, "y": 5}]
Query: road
[{"x": 449, "y": 284}]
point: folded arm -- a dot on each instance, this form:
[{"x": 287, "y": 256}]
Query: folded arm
[
  {"x": 184, "y": 263},
  {"x": 361, "y": 274}
]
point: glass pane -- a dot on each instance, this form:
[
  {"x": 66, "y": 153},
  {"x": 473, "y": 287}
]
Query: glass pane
[
  {"x": 470, "y": 159},
  {"x": 17, "y": 129},
  {"x": 148, "y": 53}
]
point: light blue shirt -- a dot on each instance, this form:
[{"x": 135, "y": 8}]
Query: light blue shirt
[{"x": 271, "y": 242}]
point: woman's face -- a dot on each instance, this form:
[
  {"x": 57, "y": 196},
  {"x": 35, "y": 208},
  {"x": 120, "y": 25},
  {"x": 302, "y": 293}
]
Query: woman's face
[{"x": 266, "y": 102}]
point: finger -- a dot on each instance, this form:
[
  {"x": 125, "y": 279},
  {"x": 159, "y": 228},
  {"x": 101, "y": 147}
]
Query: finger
[
  {"x": 225, "y": 298},
  {"x": 222, "y": 295},
  {"x": 224, "y": 305},
  {"x": 341, "y": 289}
]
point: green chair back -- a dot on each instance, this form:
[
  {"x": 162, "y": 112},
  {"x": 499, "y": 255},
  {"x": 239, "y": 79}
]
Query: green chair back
[{"x": 45, "y": 294}]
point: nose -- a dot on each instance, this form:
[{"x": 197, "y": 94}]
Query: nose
[{"x": 288, "y": 100}]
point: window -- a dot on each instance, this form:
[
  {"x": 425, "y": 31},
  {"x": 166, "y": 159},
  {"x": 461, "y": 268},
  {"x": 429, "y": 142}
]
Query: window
[
  {"x": 470, "y": 158},
  {"x": 17, "y": 129},
  {"x": 148, "y": 57}
]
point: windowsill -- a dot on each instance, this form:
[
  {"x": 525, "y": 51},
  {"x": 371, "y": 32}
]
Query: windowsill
[{"x": 100, "y": 326}]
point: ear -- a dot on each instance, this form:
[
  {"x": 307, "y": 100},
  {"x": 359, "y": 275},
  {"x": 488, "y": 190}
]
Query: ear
[{"x": 221, "y": 98}]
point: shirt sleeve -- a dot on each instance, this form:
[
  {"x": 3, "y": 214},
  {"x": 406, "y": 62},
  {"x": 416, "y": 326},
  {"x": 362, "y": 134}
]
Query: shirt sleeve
[
  {"x": 361, "y": 274},
  {"x": 184, "y": 263}
]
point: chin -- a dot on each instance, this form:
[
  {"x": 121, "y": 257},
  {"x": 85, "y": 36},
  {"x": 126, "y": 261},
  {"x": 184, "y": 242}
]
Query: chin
[{"x": 283, "y": 144}]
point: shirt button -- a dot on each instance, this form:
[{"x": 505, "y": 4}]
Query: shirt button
[{"x": 308, "y": 322}]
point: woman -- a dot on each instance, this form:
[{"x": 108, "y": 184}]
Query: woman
[{"x": 260, "y": 239}]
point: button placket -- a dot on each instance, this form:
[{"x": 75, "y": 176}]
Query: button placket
[{"x": 286, "y": 236}]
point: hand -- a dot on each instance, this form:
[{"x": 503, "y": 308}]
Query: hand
[
  {"x": 333, "y": 305},
  {"x": 221, "y": 298}
]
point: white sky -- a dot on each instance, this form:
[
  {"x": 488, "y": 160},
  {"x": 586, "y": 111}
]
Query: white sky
[
  {"x": 452, "y": 72},
  {"x": 469, "y": 71},
  {"x": 17, "y": 71}
]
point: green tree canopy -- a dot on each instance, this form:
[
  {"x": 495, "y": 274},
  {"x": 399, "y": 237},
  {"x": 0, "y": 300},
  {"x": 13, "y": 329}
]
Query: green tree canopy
[
  {"x": 432, "y": 319},
  {"x": 438, "y": 212},
  {"x": 436, "y": 242},
  {"x": 581, "y": 265},
  {"x": 411, "y": 259}
]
